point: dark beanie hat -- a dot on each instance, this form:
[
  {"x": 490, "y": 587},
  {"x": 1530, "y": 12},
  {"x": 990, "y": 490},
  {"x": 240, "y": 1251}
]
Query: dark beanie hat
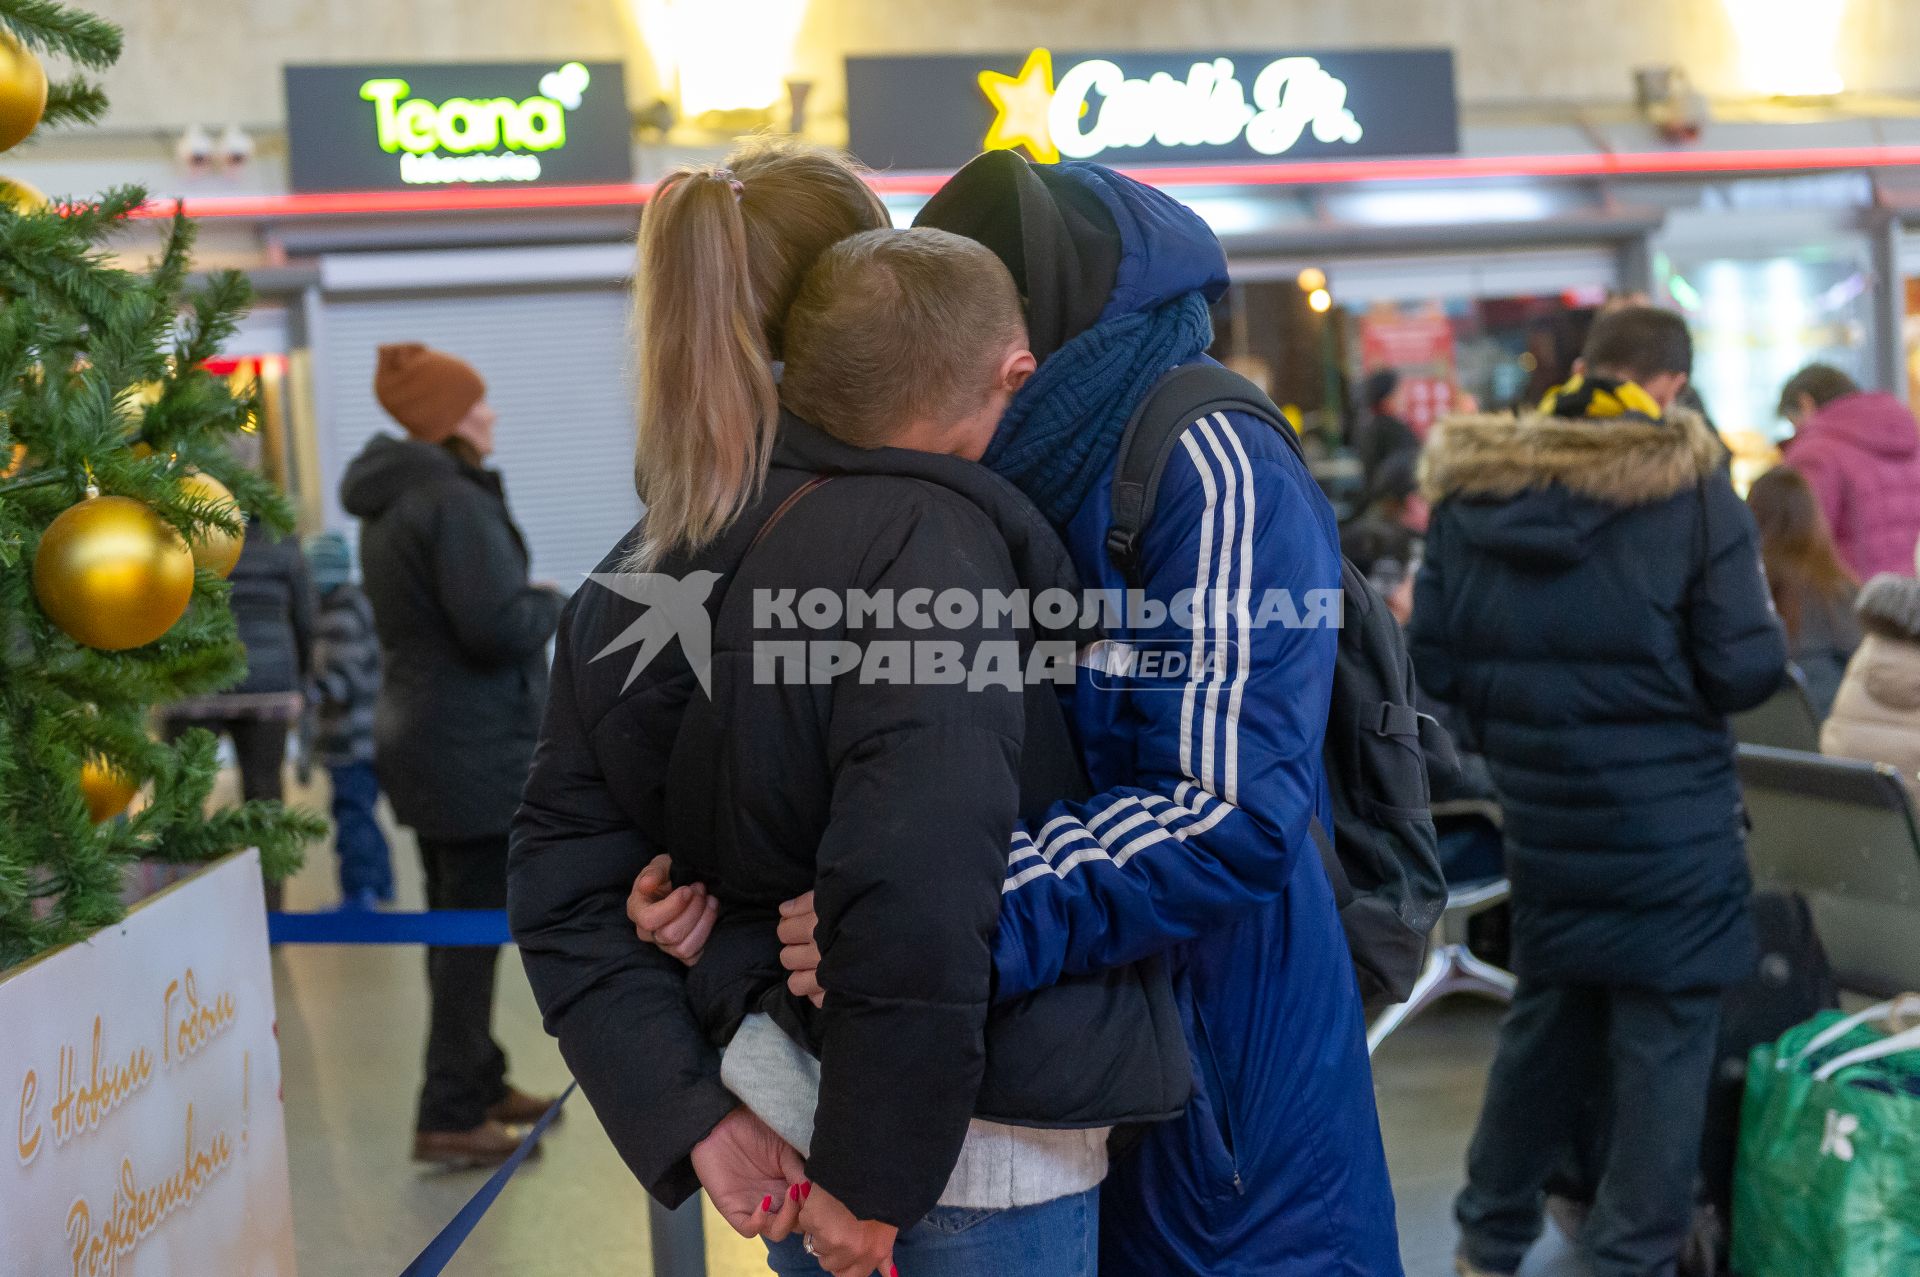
[
  {"x": 427, "y": 391},
  {"x": 1058, "y": 240}
]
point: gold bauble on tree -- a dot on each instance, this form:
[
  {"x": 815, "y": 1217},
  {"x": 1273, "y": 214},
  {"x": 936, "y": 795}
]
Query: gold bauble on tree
[
  {"x": 23, "y": 90},
  {"x": 214, "y": 550},
  {"x": 112, "y": 573},
  {"x": 106, "y": 788},
  {"x": 15, "y": 455},
  {"x": 21, "y": 197}
]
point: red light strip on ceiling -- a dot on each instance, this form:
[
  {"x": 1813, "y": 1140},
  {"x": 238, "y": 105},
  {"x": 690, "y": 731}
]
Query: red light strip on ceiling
[{"x": 1302, "y": 173}]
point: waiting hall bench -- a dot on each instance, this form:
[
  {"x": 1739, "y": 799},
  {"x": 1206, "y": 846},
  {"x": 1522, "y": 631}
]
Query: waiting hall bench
[{"x": 1842, "y": 833}]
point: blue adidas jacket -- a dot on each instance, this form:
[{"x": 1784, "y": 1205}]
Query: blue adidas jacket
[{"x": 1197, "y": 846}]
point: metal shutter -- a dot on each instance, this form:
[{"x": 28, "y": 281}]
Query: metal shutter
[{"x": 556, "y": 364}]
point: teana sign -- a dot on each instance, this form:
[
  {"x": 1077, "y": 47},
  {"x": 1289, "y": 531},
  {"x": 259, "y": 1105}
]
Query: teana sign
[
  {"x": 1121, "y": 108},
  {"x": 368, "y": 128}
]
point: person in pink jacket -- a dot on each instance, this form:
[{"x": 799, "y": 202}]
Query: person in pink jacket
[{"x": 1860, "y": 451}]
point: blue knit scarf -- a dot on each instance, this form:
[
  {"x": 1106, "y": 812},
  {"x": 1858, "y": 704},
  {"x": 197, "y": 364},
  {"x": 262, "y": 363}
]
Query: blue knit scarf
[{"x": 1064, "y": 425}]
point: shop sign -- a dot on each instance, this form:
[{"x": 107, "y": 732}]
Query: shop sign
[
  {"x": 141, "y": 1077},
  {"x": 1123, "y": 108},
  {"x": 363, "y": 128},
  {"x": 1418, "y": 345}
]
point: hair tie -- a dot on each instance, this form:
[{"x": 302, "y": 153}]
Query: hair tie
[{"x": 726, "y": 175}]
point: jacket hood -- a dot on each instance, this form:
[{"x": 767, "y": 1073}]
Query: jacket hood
[
  {"x": 1870, "y": 420},
  {"x": 1537, "y": 489},
  {"x": 1889, "y": 605},
  {"x": 1084, "y": 243},
  {"x": 388, "y": 468},
  {"x": 1039, "y": 557}
]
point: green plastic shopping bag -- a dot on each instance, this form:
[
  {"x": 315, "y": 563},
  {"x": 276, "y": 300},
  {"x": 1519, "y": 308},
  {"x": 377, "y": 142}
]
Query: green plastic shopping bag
[{"x": 1828, "y": 1178}]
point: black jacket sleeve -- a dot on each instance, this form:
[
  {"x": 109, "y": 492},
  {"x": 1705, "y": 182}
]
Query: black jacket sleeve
[
  {"x": 300, "y": 610},
  {"x": 1426, "y": 632},
  {"x": 497, "y": 617},
  {"x": 617, "y": 1006},
  {"x": 908, "y": 881},
  {"x": 1739, "y": 651}
]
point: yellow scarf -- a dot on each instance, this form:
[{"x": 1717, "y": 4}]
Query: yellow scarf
[{"x": 1600, "y": 397}]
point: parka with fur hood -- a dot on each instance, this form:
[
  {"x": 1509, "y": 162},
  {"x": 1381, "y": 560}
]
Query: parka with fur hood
[
  {"x": 1877, "y": 713},
  {"x": 1592, "y": 601}
]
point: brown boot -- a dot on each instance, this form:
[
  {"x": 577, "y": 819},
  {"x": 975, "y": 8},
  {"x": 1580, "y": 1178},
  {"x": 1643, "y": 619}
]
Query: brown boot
[
  {"x": 487, "y": 1144},
  {"x": 517, "y": 1108}
]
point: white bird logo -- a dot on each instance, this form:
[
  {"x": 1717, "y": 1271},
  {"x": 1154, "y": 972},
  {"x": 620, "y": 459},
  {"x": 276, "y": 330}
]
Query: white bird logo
[{"x": 676, "y": 608}]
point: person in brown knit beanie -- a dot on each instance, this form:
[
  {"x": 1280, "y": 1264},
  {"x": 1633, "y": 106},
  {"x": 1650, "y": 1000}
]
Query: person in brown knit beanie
[
  {"x": 463, "y": 645},
  {"x": 434, "y": 396}
]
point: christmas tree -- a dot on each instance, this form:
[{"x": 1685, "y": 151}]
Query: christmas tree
[{"x": 121, "y": 509}]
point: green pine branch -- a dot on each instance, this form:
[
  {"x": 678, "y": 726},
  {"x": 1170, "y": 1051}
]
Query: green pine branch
[
  {"x": 73, "y": 101},
  {"x": 47, "y": 26}
]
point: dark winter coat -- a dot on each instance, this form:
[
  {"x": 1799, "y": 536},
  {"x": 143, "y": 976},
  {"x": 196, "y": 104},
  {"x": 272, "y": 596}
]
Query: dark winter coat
[
  {"x": 896, "y": 803},
  {"x": 1592, "y": 601},
  {"x": 463, "y": 637},
  {"x": 346, "y": 677},
  {"x": 273, "y": 611}
]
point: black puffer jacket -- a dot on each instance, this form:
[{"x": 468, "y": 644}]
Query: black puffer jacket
[
  {"x": 463, "y": 637},
  {"x": 1592, "y": 602},
  {"x": 273, "y": 611},
  {"x": 895, "y": 802}
]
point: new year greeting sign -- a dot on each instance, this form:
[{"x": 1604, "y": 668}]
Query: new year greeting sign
[{"x": 140, "y": 1095}]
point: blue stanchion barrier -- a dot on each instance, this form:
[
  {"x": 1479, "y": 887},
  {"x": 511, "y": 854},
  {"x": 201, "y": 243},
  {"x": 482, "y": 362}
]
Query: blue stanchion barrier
[
  {"x": 441, "y": 1249},
  {"x": 365, "y": 926}
]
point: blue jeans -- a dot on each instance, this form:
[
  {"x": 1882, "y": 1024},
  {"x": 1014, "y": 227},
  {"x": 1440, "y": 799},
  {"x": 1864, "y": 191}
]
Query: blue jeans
[
  {"x": 1060, "y": 1238},
  {"x": 366, "y": 866}
]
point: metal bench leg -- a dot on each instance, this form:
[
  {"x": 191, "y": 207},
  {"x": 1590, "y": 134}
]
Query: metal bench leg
[{"x": 1424, "y": 991}]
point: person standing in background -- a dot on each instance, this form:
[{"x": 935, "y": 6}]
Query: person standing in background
[
  {"x": 1860, "y": 452},
  {"x": 1591, "y": 599},
  {"x": 1382, "y": 434},
  {"x": 272, "y": 603},
  {"x": 1877, "y": 714},
  {"x": 463, "y": 639},
  {"x": 345, "y": 688},
  {"x": 1812, "y": 590}
]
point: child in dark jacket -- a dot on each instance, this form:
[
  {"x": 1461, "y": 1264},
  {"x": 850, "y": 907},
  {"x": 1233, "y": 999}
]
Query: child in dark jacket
[{"x": 345, "y": 688}]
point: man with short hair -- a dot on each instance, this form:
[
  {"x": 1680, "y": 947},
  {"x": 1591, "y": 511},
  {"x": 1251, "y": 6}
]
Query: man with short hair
[
  {"x": 1860, "y": 452},
  {"x": 1592, "y": 603}
]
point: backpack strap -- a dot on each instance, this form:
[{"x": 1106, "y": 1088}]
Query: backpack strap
[{"x": 1176, "y": 401}]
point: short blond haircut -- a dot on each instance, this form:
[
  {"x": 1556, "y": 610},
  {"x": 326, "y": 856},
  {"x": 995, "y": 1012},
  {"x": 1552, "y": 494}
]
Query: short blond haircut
[{"x": 892, "y": 327}]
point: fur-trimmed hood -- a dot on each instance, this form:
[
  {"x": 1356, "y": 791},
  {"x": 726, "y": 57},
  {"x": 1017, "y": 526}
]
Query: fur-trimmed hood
[
  {"x": 1618, "y": 461},
  {"x": 1889, "y": 605}
]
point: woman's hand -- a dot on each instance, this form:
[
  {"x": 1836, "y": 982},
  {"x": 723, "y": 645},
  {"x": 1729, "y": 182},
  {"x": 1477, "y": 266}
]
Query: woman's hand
[
  {"x": 845, "y": 1246},
  {"x": 753, "y": 1177},
  {"x": 798, "y": 952},
  {"x": 676, "y": 919}
]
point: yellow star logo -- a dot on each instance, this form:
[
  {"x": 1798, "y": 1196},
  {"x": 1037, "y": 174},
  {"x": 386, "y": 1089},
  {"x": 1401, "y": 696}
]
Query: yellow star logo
[{"x": 1022, "y": 102}]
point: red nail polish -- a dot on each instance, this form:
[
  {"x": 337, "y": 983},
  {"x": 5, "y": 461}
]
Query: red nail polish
[
  {"x": 793, "y": 1192},
  {"x": 766, "y": 1204},
  {"x": 893, "y": 1270},
  {"x": 806, "y": 1191}
]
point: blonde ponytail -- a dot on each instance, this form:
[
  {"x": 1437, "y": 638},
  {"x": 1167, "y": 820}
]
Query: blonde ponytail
[
  {"x": 708, "y": 406},
  {"x": 722, "y": 253}
]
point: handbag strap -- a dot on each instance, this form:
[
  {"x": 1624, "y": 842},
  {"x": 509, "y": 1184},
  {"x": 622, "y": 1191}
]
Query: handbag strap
[
  {"x": 1897, "y": 1044},
  {"x": 780, "y": 511}
]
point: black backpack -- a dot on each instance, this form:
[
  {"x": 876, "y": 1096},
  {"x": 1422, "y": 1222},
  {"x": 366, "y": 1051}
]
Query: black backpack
[{"x": 1383, "y": 858}]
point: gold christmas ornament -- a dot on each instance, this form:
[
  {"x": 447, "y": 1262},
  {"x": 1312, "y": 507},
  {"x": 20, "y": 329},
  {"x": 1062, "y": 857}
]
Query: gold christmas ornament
[
  {"x": 23, "y": 90},
  {"x": 106, "y": 788},
  {"x": 21, "y": 197},
  {"x": 14, "y": 458},
  {"x": 214, "y": 550},
  {"x": 112, "y": 573}
]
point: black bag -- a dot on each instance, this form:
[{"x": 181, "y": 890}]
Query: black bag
[{"x": 1383, "y": 858}]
